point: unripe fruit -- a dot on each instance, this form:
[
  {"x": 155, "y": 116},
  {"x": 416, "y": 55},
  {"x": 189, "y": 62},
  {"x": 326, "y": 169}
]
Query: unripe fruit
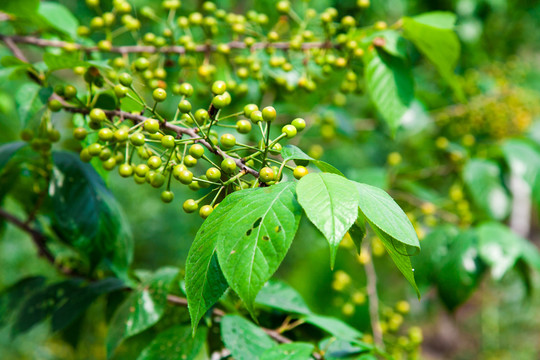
[
  {"x": 190, "y": 206},
  {"x": 299, "y": 124},
  {"x": 219, "y": 101},
  {"x": 85, "y": 155},
  {"x": 154, "y": 162},
  {"x": 196, "y": 150},
  {"x": 228, "y": 165},
  {"x": 168, "y": 141},
  {"x": 266, "y": 174},
  {"x": 219, "y": 87},
  {"x": 121, "y": 134},
  {"x": 159, "y": 95},
  {"x": 213, "y": 174},
  {"x": 137, "y": 139},
  {"x": 120, "y": 91},
  {"x": 243, "y": 126},
  {"x": 249, "y": 109},
  {"x": 94, "y": 149},
  {"x": 289, "y": 130},
  {"x": 186, "y": 177},
  {"x": 299, "y": 172},
  {"x": 109, "y": 164},
  {"x": 151, "y": 125},
  {"x": 201, "y": 116},
  {"x": 105, "y": 134},
  {"x": 227, "y": 141},
  {"x": 28, "y": 135},
  {"x": 269, "y": 114},
  {"x": 70, "y": 92},
  {"x": 125, "y": 170},
  {"x": 97, "y": 115},
  {"x": 141, "y": 170},
  {"x": 177, "y": 170},
  {"x": 256, "y": 117},
  {"x": 80, "y": 133},
  {"x": 55, "y": 105},
  {"x": 125, "y": 79},
  {"x": 141, "y": 64},
  {"x": 283, "y": 7},
  {"x": 186, "y": 89},
  {"x": 167, "y": 196},
  {"x": 205, "y": 211},
  {"x": 184, "y": 106},
  {"x": 157, "y": 180},
  {"x": 190, "y": 161}
]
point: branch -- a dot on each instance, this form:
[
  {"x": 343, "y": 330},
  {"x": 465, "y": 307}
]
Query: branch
[
  {"x": 36, "y": 41},
  {"x": 193, "y": 133},
  {"x": 373, "y": 299}
]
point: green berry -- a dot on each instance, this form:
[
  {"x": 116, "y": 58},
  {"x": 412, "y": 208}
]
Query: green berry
[
  {"x": 125, "y": 170},
  {"x": 213, "y": 174},
  {"x": 109, "y": 164},
  {"x": 157, "y": 180},
  {"x": 94, "y": 149},
  {"x": 203, "y": 184},
  {"x": 299, "y": 172},
  {"x": 70, "y": 92},
  {"x": 227, "y": 141},
  {"x": 299, "y": 124},
  {"x": 80, "y": 133},
  {"x": 228, "y": 165},
  {"x": 266, "y": 174},
  {"x": 28, "y": 135},
  {"x": 243, "y": 126},
  {"x": 184, "y": 106},
  {"x": 137, "y": 139},
  {"x": 177, "y": 170},
  {"x": 159, "y": 95},
  {"x": 53, "y": 135},
  {"x": 121, "y": 134},
  {"x": 105, "y": 154},
  {"x": 289, "y": 130},
  {"x": 196, "y": 150},
  {"x": 105, "y": 134},
  {"x": 141, "y": 64},
  {"x": 269, "y": 114},
  {"x": 190, "y": 161},
  {"x": 167, "y": 196},
  {"x": 120, "y": 91},
  {"x": 141, "y": 170},
  {"x": 186, "y": 177},
  {"x": 168, "y": 141},
  {"x": 97, "y": 115},
  {"x": 125, "y": 79},
  {"x": 186, "y": 89},
  {"x": 219, "y": 87},
  {"x": 154, "y": 162},
  {"x": 85, "y": 155},
  {"x": 256, "y": 116},
  {"x": 219, "y": 101},
  {"x": 249, "y": 109},
  {"x": 205, "y": 211},
  {"x": 283, "y": 7},
  {"x": 201, "y": 116},
  {"x": 190, "y": 206},
  {"x": 151, "y": 125},
  {"x": 55, "y": 105}
]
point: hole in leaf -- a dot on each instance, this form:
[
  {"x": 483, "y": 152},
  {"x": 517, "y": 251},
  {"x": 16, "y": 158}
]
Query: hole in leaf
[
  {"x": 278, "y": 228},
  {"x": 249, "y": 232},
  {"x": 257, "y": 223},
  {"x": 266, "y": 237}
]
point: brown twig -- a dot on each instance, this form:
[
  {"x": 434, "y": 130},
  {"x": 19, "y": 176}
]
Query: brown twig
[
  {"x": 373, "y": 299},
  {"x": 36, "y": 41}
]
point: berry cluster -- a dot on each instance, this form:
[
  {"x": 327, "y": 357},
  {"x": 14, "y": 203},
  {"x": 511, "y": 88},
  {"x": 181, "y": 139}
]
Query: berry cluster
[{"x": 153, "y": 150}]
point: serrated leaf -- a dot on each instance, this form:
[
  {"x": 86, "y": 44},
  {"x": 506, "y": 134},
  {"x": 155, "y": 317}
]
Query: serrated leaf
[
  {"x": 87, "y": 215},
  {"x": 243, "y": 339},
  {"x": 291, "y": 152},
  {"x": 142, "y": 309},
  {"x": 292, "y": 351},
  {"x": 175, "y": 343},
  {"x": 256, "y": 236},
  {"x": 331, "y": 203},
  {"x": 334, "y": 326},
  {"x": 391, "y": 42},
  {"x": 433, "y": 35},
  {"x": 390, "y": 86},
  {"x": 59, "y": 18},
  {"x": 483, "y": 179},
  {"x": 205, "y": 282},
  {"x": 279, "y": 295}
]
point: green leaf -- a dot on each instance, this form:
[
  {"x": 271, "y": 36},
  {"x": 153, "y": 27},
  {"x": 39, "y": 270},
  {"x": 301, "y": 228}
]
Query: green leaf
[
  {"x": 14, "y": 295},
  {"x": 20, "y": 8},
  {"x": 390, "y": 86},
  {"x": 7, "y": 151},
  {"x": 460, "y": 271},
  {"x": 331, "y": 204},
  {"x": 243, "y": 339},
  {"x": 79, "y": 300},
  {"x": 382, "y": 211},
  {"x": 523, "y": 159},
  {"x": 334, "y": 326},
  {"x": 292, "y": 351},
  {"x": 279, "y": 295},
  {"x": 390, "y": 41},
  {"x": 59, "y": 18},
  {"x": 291, "y": 152},
  {"x": 433, "y": 34},
  {"x": 484, "y": 181},
  {"x": 30, "y": 99},
  {"x": 500, "y": 248},
  {"x": 175, "y": 343},
  {"x": 87, "y": 216},
  {"x": 12, "y": 61},
  {"x": 106, "y": 100},
  {"x": 342, "y": 349},
  {"x": 358, "y": 232},
  {"x": 64, "y": 61},
  {"x": 142, "y": 309},
  {"x": 39, "y": 306},
  {"x": 204, "y": 280},
  {"x": 255, "y": 237}
]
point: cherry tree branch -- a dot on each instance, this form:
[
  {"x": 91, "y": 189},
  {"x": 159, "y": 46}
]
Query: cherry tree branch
[{"x": 373, "y": 299}]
